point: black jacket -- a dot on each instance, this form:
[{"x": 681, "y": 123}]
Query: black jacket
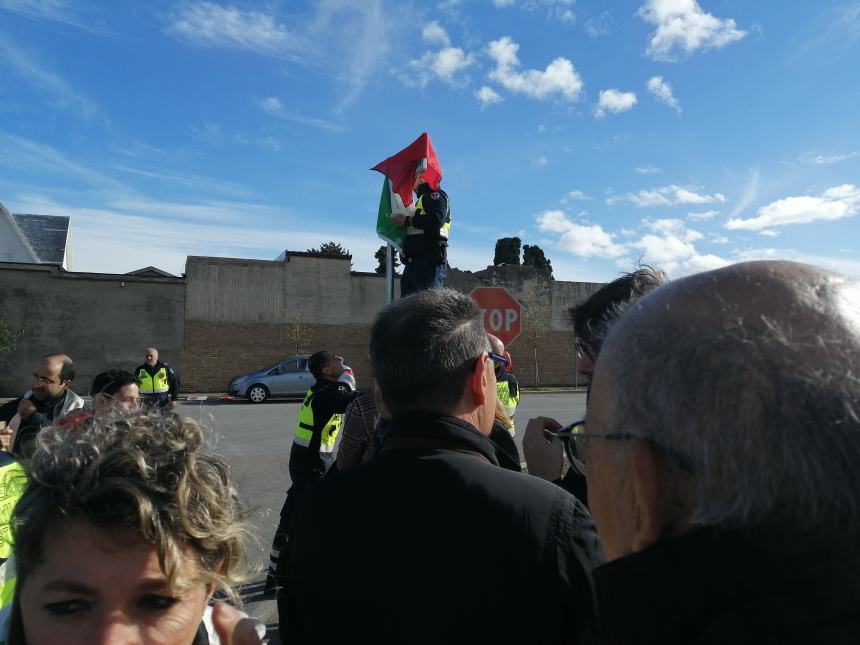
[
  {"x": 430, "y": 218},
  {"x": 431, "y": 541},
  {"x": 710, "y": 587}
]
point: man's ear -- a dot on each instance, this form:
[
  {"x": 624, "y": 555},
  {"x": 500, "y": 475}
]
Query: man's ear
[
  {"x": 652, "y": 499},
  {"x": 478, "y": 380}
]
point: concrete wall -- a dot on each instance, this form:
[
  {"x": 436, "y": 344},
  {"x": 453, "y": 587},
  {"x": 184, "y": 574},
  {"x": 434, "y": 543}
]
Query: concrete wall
[
  {"x": 242, "y": 315},
  {"x": 102, "y": 321}
]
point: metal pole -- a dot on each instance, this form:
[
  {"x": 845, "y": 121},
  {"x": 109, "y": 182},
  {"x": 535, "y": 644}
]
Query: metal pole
[{"x": 389, "y": 274}]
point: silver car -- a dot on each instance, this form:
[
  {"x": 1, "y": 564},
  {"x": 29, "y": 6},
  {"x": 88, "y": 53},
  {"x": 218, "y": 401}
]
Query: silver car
[{"x": 290, "y": 377}]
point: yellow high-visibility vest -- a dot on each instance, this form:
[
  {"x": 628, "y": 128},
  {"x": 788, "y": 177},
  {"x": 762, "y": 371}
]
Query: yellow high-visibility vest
[
  {"x": 503, "y": 391},
  {"x": 13, "y": 480},
  {"x": 444, "y": 232},
  {"x": 305, "y": 426},
  {"x": 157, "y": 384}
]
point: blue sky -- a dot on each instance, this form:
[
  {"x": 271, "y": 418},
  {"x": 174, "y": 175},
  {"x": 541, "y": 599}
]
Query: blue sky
[{"x": 679, "y": 133}]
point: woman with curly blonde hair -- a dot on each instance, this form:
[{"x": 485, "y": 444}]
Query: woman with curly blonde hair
[{"x": 125, "y": 530}]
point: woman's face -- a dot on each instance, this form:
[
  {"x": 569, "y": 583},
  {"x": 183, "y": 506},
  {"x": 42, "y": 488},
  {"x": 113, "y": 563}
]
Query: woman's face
[{"x": 94, "y": 588}]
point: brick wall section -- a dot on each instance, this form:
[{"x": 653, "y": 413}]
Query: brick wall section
[{"x": 215, "y": 352}]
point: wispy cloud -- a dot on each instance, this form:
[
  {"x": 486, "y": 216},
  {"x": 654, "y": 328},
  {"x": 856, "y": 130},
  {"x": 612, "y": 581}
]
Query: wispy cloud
[
  {"x": 826, "y": 159},
  {"x": 663, "y": 91},
  {"x": 272, "y": 106},
  {"x": 671, "y": 195},
  {"x": 648, "y": 169},
  {"x": 555, "y": 9},
  {"x": 598, "y": 26},
  {"x": 684, "y": 27},
  {"x": 559, "y": 79},
  {"x": 835, "y": 33},
  {"x": 703, "y": 215},
  {"x": 60, "y": 11},
  {"x": 614, "y": 101},
  {"x": 749, "y": 194},
  {"x": 834, "y": 203},
  {"x": 575, "y": 196},
  {"x": 58, "y": 91}
]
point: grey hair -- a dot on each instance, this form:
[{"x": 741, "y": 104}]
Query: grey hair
[
  {"x": 422, "y": 349},
  {"x": 765, "y": 407}
]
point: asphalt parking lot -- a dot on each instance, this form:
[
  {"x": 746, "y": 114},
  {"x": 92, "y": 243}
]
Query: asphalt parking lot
[{"x": 255, "y": 440}]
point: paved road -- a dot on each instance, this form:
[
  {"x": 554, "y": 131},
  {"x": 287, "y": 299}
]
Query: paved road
[{"x": 256, "y": 440}]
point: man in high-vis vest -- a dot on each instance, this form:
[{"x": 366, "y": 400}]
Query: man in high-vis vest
[
  {"x": 507, "y": 388},
  {"x": 159, "y": 385},
  {"x": 13, "y": 480},
  {"x": 311, "y": 455},
  {"x": 427, "y": 231}
]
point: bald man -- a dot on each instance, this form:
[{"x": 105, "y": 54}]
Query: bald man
[
  {"x": 722, "y": 451},
  {"x": 159, "y": 385},
  {"x": 48, "y": 399}
]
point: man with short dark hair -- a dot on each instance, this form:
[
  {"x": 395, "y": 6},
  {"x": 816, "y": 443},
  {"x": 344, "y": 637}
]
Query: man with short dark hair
[
  {"x": 726, "y": 489},
  {"x": 452, "y": 541},
  {"x": 159, "y": 385},
  {"x": 113, "y": 392},
  {"x": 311, "y": 455},
  {"x": 48, "y": 399}
]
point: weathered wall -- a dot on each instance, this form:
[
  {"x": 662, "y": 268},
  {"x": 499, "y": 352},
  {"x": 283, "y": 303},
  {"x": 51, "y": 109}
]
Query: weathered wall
[
  {"x": 102, "y": 321},
  {"x": 243, "y": 315}
]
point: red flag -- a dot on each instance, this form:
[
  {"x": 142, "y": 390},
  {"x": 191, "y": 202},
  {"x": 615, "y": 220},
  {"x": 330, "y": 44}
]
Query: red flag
[{"x": 400, "y": 168}]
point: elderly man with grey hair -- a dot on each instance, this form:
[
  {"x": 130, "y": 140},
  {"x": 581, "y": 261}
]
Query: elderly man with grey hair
[
  {"x": 445, "y": 546},
  {"x": 723, "y": 460}
]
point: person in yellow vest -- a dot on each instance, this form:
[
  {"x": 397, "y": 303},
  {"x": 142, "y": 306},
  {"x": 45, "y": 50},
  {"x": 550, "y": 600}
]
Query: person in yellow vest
[
  {"x": 159, "y": 385},
  {"x": 508, "y": 395},
  {"x": 311, "y": 455},
  {"x": 425, "y": 264},
  {"x": 12, "y": 483}
]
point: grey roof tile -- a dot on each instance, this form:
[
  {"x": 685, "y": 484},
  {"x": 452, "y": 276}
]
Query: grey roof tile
[{"x": 47, "y": 235}]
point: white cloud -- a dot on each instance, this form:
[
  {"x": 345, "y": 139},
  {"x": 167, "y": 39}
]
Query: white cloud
[
  {"x": 834, "y": 203},
  {"x": 272, "y": 106},
  {"x": 673, "y": 227},
  {"x": 703, "y": 215},
  {"x": 648, "y": 169},
  {"x": 487, "y": 96},
  {"x": 560, "y": 78},
  {"x": 824, "y": 159},
  {"x": 663, "y": 91},
  {"x": 60, "y": 92},
  {"x": 211, "y": 25},
  {"x": 669, "y": 196},
  {"x": 444, "y": 64},
  {"x": 575, "y": 195},
  {"x": 719, "y": 239},
  {"x": 767, "y": 232},
  {"x": 435, "y": 34},
  {"x": 541, "y": 161},
  {"x": 683, "y": 27},
  {"x": 60, "y": 11},
  {"x": 582, "y": 240},
  {"x": 614, "y": 101},
  {"x": 559, "y": 9},
  {"x": 598, "y": 26}
]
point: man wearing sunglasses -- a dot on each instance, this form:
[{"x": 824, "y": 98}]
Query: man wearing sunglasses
[
  {"x": 722, "y": 449},
  {"x": 543, "y": 442},
  {"x": 48, "y": 399},
  {"x": 453, "y": 539}
]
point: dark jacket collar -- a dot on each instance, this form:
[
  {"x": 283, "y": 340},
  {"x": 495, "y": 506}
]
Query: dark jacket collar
[
  {"x": 436, "y": 432},
  {"x": 676, "y": 590}
]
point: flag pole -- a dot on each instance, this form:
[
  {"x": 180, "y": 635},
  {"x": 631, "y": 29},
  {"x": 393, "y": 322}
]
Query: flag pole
[{"x": 389, "y": 274}]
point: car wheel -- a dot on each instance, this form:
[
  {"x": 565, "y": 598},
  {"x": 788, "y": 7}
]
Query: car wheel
[{"x": 258, "y": 393}]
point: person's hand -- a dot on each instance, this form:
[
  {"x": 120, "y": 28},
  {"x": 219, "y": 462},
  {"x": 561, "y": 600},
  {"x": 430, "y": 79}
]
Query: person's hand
[
  {"x": 544, "y": 453},
  {"x": 5, "y": 438},
  {"x": 235, "y": 628},
  {"x": 26, "y": 408},
  {"x": 399, "y": 219},
  {"x": 172, "y": 404}
]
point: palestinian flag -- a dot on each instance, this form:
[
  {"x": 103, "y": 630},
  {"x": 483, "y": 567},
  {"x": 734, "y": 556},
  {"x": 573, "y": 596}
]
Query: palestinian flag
[
  {"x": 391, "y": 204},
  {"x": 402, "y": 167}
]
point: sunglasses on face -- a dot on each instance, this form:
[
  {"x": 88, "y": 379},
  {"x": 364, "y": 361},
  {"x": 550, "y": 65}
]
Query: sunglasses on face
[{"x": 586, "y": 350}]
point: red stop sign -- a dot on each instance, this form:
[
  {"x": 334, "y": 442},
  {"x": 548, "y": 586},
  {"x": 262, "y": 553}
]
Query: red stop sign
[{"x": 500, "y": 312}]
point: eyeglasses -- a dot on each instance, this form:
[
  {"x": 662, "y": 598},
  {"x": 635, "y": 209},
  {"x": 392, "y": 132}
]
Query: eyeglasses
[
  {"x": 575, "y": 439},
  {"x": 45, "y": 380},
  {"x": 500, "y": 363},
  {"x": 587, "y": 350}
]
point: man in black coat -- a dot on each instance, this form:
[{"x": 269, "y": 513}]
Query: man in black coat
[
  {"x": 431, "y": 541},
  {"x": 722, "y": 451}
]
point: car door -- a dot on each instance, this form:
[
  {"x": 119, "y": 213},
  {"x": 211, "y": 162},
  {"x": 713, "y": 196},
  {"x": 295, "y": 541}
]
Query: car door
[{"x": 281, "y": 378}]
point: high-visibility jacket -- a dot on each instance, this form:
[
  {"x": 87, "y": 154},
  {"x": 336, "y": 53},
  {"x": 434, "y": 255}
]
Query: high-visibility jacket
[
  {"x": 430, "y": 227},
  {"x": 444, "y": 231},
  {"x": 305, "y": 426},
  {"x": 13, "y": 480},
  {"x": 153, "y": 384},
  {"x": 508, "y": 392}
]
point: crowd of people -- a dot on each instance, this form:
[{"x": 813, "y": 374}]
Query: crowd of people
[{"x": 711, "y": 494}]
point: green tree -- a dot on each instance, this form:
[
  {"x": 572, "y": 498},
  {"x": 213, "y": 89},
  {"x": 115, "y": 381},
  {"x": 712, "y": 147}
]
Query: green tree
[
  {"x": 330, "y": 248},
  {"x": 381, "y": 255},
  {"x": 536, "y": 321},
  {"x": 9, "y": 335},
  {"x": 507, "y": 251},
  {"x": 533, "y": 256}
]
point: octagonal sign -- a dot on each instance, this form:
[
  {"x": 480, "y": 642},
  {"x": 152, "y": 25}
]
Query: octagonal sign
[{"x": 500, "y": 312}]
